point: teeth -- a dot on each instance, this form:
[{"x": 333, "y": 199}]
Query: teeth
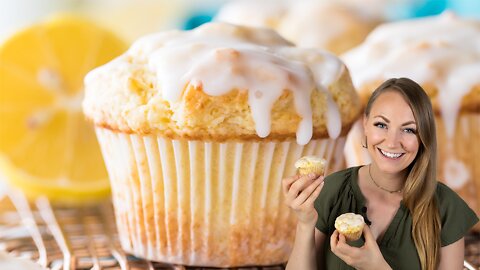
[{"x": 390, "y": 155}]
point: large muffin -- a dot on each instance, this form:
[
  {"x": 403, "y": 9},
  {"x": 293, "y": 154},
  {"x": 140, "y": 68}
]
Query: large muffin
[
  {"x": 335, "y": 26},
  {"x": 443, "y": 55},
  {"x": 197, "y": 129}
]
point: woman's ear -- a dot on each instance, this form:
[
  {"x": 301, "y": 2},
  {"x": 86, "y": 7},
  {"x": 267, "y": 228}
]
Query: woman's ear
[
  {"x": 364, "y": 120},
  {"x": 364, "y": 137}
]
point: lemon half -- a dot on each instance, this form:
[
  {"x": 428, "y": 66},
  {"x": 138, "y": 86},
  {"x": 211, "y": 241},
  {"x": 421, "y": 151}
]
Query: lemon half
[{"x": 46, "y": 146}]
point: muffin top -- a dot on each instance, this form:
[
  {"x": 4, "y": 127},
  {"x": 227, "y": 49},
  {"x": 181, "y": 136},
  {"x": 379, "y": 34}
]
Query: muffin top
[
  {"x": 307, "y": 161},
  {"x": 222, "y": 82},
  {"x": 349, "y": 221},
  {"x": 442, "y": 54}
]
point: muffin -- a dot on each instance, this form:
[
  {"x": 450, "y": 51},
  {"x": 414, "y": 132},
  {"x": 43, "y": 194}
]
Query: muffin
[
  {"x": 442, "y": 55},
  {"x": 334, "y": 26},
  {"x": 197, "y": 128},
  {"x": 350, "y": 225},
  {"x": 265, "y": 13},
  {"x": 310, "y": 164},
  {"x": 328, "y": 25}
]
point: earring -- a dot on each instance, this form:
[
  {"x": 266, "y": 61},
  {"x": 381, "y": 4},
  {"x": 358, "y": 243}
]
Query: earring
[{"x": 365, "y": 145}]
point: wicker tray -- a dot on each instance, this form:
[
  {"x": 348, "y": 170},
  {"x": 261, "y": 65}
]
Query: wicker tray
[{"x": 85, "y": 238}]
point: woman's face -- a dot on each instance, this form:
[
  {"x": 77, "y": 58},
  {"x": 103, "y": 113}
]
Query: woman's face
[{"x": 391, "y": 132}]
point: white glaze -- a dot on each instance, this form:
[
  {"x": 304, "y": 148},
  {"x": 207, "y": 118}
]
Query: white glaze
[
  {"x": 221, "y": 57},
  {"x": 443, "y": 50}
]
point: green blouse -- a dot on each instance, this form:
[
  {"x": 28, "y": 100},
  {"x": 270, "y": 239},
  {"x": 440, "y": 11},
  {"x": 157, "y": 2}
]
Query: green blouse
[{"x": 341, "y": 194}]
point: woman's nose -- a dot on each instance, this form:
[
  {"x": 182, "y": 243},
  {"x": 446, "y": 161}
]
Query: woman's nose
[{"x": 393, "y": 138}]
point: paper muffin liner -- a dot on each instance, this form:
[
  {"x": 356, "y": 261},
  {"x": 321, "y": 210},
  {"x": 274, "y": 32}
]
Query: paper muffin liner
[
  {"x": 458, "y": 156},
  {"x": 316, "y": 169},
  {"x": 352, "y": 236},
  {"x": 205, "y": 203}
]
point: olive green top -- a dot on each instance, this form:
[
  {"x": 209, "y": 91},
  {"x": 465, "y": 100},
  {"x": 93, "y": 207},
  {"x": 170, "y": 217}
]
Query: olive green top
[{"x": 341, "y": 194}]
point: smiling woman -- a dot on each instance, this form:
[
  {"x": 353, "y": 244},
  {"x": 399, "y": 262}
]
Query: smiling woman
[
  {"x": 435, "y": 57},
  {"x": 390, "y": 127},
  {"x": 414, "y": 221}
]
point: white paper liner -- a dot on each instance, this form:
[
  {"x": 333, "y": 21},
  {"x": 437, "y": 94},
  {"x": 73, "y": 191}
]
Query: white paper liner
[
  {"x": 207, "y": 204},
  {"x": 457, "y": 157}
]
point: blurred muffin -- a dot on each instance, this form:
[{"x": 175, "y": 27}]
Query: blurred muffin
[
  {"x": 310, "y": 164},
  {"x": 350, "y": 225},
  {"x": 443, "y": 55},
  {"x": 378, "y": 10},
  {"x": 334, "y": 26},
  {"x": 265, "y": 13},
  {"x": 325, "y": 24},
  {"x": 198, "y": 127}
]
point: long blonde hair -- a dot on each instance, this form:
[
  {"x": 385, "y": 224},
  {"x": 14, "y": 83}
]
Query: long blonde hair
[{"x": 421, "y": 182}]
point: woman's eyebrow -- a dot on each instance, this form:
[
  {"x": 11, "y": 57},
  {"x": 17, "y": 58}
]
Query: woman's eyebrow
[
  {"x": 383, "y": 117},
  {"x": 408, "y": 123},
  {"x": 388, "y": 121}
]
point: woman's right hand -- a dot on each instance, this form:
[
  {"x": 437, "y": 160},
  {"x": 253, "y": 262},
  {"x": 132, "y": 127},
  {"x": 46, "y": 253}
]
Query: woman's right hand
[{"x": 300, "y": 193}]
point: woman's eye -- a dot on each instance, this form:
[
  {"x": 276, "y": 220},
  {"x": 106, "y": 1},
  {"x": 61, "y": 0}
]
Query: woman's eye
[
  {"x": 380, "y": 125},
  {"x": 410, "y": 130}
]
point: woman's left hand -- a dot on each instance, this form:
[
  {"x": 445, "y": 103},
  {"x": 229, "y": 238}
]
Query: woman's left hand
[{"x": 366, "y": 257}]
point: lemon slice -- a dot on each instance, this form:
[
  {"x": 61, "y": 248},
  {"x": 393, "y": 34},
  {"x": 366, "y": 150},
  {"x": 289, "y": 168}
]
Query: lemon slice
[{"x": 46, "y": 146}]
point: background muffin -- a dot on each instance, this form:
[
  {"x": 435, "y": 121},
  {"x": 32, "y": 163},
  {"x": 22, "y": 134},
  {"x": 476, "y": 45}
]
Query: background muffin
[
  {"x": 332, "y": 25},
  {"x": 329, "y": 25},
  {"x": 442, "y": 55},
  {"x": 267, "y": 13},
  {"x": 197, "y": 128}
]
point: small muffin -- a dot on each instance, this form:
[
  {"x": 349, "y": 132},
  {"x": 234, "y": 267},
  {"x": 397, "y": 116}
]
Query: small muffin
[
  {"x": 350, "y": 225},
  {"x": 310, "y": 164}
]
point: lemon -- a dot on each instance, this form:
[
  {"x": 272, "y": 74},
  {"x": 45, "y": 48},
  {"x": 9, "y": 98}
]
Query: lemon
[{"x": 46, "y": 146}]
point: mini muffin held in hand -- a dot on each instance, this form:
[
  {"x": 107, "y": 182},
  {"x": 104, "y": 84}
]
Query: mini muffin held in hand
[
  {"x": 350, "y": 225},
  {"x": 310, "y": 164}
]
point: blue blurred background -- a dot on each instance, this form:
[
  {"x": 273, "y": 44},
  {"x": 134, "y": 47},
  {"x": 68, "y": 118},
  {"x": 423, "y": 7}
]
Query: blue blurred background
[{"x": 420, "y": 8}]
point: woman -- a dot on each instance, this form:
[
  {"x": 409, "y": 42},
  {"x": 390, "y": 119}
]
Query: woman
[{"x": 414, "y": 221}]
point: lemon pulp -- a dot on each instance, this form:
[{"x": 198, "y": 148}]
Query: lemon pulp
[{"x": 46, "y": 146}]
